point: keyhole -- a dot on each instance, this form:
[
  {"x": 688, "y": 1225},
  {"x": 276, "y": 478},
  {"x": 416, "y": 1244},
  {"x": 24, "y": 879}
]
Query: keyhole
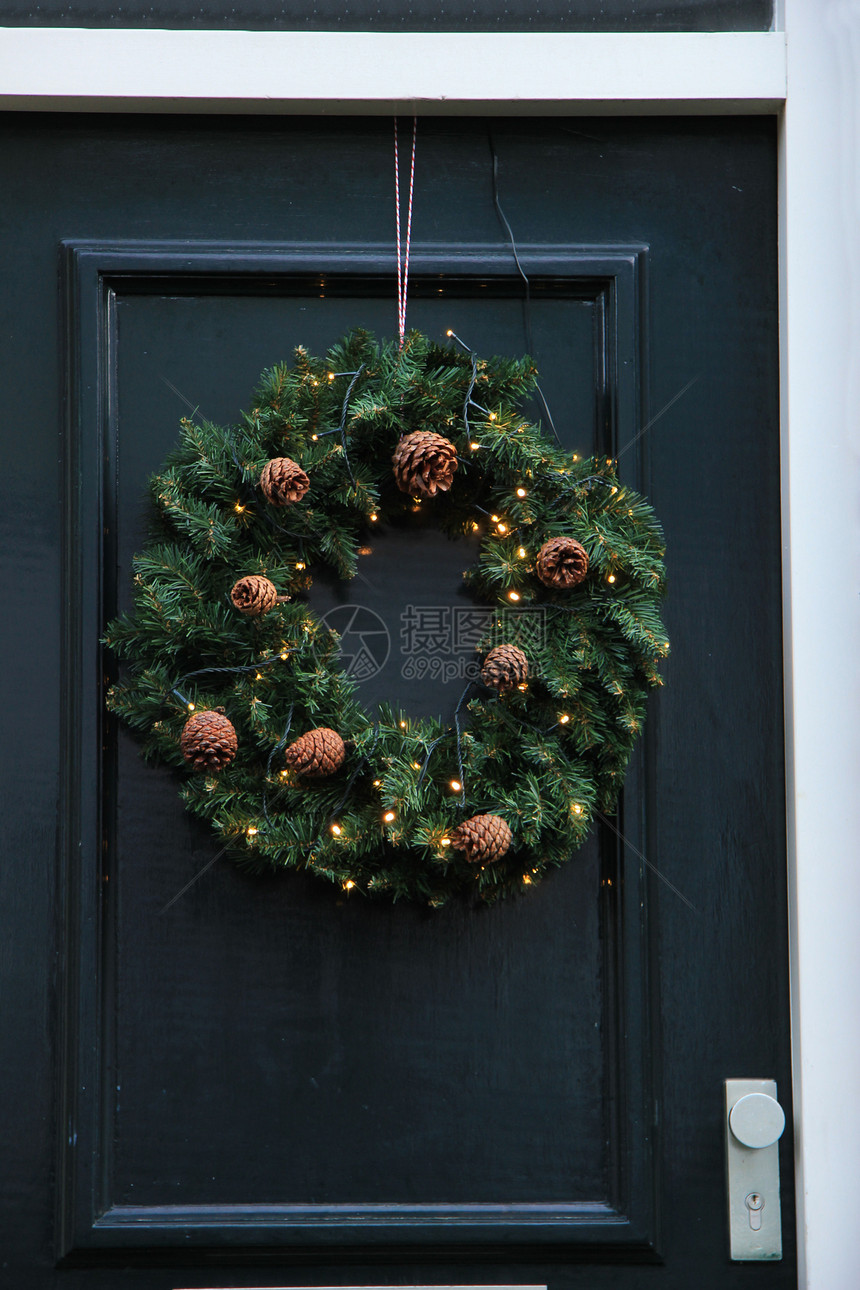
[{"x": 755, "y": 1204}]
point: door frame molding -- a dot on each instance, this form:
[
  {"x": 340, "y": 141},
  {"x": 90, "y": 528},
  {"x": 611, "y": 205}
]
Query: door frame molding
[
  {"x": 143, "y": 70},
  {"x": 91, "y": 1220},
  {"x": 806, "y": 74}
]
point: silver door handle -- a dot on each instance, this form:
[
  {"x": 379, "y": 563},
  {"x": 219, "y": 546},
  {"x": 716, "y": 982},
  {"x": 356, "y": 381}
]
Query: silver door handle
[
  {"x": 754, "y": 1123},
  {"x": 757, "y": 1120}
]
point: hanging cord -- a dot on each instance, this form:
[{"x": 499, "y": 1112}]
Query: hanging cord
[{"x": 403, "y": 253}]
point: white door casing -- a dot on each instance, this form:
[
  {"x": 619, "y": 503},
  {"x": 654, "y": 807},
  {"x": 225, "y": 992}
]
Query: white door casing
[{"x": 807, "y": 74}]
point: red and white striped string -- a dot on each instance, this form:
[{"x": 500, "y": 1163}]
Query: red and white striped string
[{"x": 403, "y": 252}]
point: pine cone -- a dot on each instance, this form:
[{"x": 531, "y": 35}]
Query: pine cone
[
  {"x": 283, "y": 481},
  {"x": 484, "y": 838},
  {"x": 504, "y": 667},
  {"x": 317, "y": 753},
  {"x": 562, "y": 563},
  {"x": 424, "y": 463},
  {"x": 208, "y": 740},
  {"x": 255, "y": 595}
]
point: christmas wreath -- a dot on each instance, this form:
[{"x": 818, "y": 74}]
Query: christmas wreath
[{"x": 232, "y": 679}]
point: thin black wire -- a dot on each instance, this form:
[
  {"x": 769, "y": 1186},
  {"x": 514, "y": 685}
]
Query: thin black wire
[
  {"x": 354, "y": 776},
  {"x": 341, "y": 429},
  {"x": 504, "y": 221},
  {"x": 462, "y": 778},
  {"x": 512, "y": 716},
  {"x": 469, "y": 392},
  {"x": 430, "y": 749},
  {"x": 342, "y": 426},
  {"x": 202, "y": 671},
  {"x": 527, "y": 303},
  {"x": 277, "y": 748}
]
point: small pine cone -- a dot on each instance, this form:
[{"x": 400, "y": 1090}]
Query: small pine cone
[
  {"x": 562, "y": 563},
  {"x": 254, "y": 595},
  {"x": 504, "y": 667},
  {"x": 283, "y": 481},
  {"x": 484, "y": 838},
  {"x": 208, "y": 740},
  {"x": 424, "y": 463},
  {"x": 317, "y": 753}
]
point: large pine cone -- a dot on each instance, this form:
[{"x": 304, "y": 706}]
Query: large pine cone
[
  {"x": 317, "y": 753},
  {"x": 504, "y": 667},
  {"x": 254, "y": 595},
  {"x": 208, "y": 740},
  {"x": 424, "y": 463},
  {"x": 562, "y": 563},
  {"x": 283, "y": 481},
  {"x": 484, "y": 838}
]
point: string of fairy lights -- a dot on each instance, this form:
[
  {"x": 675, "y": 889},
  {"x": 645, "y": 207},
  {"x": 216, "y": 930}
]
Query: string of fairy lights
[{"x": 481, "y": 428}]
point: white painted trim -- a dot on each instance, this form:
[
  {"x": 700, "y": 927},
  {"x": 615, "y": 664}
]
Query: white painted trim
[
  {"x": 263, "y": 71},
  {"x": 820, "y": 289},
  {"x": 820, "y": 330}
]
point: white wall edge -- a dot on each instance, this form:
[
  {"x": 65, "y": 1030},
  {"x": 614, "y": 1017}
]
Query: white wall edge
[
  {"x": 53, "y": 68},
  {"x": 820, "y": 394}
]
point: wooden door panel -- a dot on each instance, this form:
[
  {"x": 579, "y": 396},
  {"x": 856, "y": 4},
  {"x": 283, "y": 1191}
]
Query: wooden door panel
[{"x": 266, "y": 1064}]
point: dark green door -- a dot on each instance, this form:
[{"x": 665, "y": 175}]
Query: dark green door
[{"x": 219, "y": 1080}]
